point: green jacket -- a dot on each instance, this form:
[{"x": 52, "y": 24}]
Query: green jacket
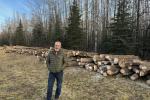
[{"x": 55, "y": 62}]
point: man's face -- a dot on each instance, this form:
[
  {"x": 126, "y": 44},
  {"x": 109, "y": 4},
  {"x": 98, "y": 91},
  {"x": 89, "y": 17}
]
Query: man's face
[{"x": 57, "y": 46}]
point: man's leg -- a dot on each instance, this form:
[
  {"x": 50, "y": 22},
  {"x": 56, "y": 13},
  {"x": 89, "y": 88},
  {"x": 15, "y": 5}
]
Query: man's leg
[
  {"x": 51, "y": 80},
  {"x": 59, "y": 78}
]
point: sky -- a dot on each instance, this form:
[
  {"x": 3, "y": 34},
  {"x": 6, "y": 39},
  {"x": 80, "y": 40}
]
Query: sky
[{"x": 8, "y": 7}]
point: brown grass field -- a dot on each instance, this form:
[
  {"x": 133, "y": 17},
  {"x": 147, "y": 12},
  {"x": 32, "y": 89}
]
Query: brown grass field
[{"x": 25, "y": 78}]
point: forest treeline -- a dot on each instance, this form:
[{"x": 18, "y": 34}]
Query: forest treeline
[{"x": 105, "y": 26}]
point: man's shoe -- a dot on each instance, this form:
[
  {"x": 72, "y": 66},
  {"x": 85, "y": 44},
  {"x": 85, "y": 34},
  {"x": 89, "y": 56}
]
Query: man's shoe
[{"x": 56, "y": 98}]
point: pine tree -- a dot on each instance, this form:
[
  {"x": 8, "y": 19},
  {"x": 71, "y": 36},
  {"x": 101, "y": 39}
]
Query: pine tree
[
  {"x": 19, "y": 34},
  {"x": 55, "y": 32},
  {"x": 122, "y": 38},
  {"x": 58, "y": 31},
  {"x": 144, "y": 45},
  {"x": 38, "y": 36},
  {"x": 74, "y": 36}
]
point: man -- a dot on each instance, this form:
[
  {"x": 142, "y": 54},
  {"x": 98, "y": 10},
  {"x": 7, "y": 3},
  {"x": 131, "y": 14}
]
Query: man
[{"x": 55, "y": 63}]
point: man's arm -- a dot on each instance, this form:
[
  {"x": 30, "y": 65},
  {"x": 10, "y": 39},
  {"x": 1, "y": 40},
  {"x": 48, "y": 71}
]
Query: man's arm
[
  {"x": 64, "y": 59},
  {"x": 48, "y": 60}
]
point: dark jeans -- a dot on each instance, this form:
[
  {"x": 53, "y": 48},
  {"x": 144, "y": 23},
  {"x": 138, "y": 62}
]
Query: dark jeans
[{"x": 59, "y": 78}]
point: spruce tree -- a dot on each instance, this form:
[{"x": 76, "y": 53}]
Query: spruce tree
[
  {"x": 19, "y": 34},
  {"x": 38, "y": 36},
  {"x": 58, "y": 30},
  {"x": 122, "y": 39},
  {"x": 74, "y": 36}
]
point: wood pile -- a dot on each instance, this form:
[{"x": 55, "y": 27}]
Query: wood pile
[
  {"x": 105, "y": 64},
  {"x": 40, "y": 53}
]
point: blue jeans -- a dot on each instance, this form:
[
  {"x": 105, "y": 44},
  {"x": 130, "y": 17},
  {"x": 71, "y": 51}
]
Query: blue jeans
[{"x": 51, "y": 79}]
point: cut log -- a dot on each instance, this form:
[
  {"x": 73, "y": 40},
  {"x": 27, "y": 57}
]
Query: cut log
[
  {"x": 125, "y": 63},
  {"x": 148, "y": 82},
  {"x": 85, "y": 54},
  {"x": 144, "y": 72},
  {"x": 99, "y": 63},
  {"x": 143, "y": 67},
  {"x": 106, "y": 63},
  {"x": 97, "y": 58},
  {"x": 71, "y": 53},
  {"x": 108, "y": 58},
  {"x": 95, "y": 68},
  {"x": 105, "y": 74},
  {"x": 10, "y": 51},
  {"x": 126, "y": 71},
  {"x": 102, "y": 69},
  {"x": 81, "y": 64},
  {"x": 102, "y": 56},
  {"x": 136, "y": 62},
  {"x": 129, "y": 67},
  {"x": 120, "y": 57},
  {"x": 89, "y": 66},
  {"x": 113, "y": 70},
  {"x": 116, "y": 60},
  {"x": 109, "y": 67},
  {"x": 136, "y": 69},
  {"x": 134, "y": 76},
  {"x": 85, "y": 60}
]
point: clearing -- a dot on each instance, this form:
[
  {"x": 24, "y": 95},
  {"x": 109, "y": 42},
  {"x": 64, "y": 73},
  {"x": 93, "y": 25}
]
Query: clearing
[{"x": 25, "y": 78}]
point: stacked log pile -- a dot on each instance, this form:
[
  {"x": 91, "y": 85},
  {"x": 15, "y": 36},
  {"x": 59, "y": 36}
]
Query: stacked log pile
[
  {"x": 40, "y": 53},
  {"x": 105, "y": 64}
]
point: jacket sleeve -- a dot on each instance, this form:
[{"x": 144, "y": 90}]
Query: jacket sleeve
[
  {"x": 48, "y": 60},
  {"x": 64, "y": 59}
]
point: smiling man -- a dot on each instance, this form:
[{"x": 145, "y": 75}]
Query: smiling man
[{"x": 55, "y": 63}]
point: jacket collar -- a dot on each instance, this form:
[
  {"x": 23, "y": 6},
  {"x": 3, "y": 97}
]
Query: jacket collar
[{"x": 54, "y": 52}]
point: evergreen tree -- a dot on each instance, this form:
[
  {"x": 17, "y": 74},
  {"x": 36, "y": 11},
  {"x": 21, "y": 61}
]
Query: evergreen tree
[
  {"x": 38, "y": 36},
  {"x": 58, "y": 31},
  {"x": 49, "y": 34},
  {"x": 55, "y": 33},
  {"x": 122, "y": 39},
  {"x": 19, "y": 34},
  {"x": 4, "y": 39},
  {"x": 144, "y": 45},
  {"x": 74, "y": 36}
]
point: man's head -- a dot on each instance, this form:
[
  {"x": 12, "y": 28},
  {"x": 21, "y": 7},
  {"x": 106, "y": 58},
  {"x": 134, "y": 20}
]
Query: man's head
[{"x": 57, "y": 45}]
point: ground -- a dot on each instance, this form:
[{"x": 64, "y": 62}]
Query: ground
[{"x": 25, "y": 78}]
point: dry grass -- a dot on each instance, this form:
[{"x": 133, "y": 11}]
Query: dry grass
[
  {"x": 21, "y": 78},
  {"x": 24, "y": 78}
]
